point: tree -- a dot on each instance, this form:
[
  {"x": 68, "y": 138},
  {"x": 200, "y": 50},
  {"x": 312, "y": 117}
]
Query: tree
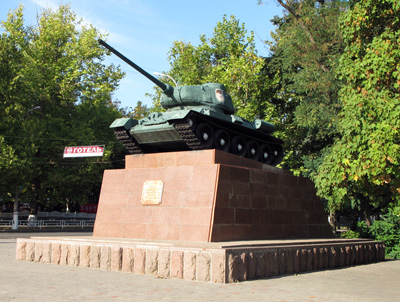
[
  {"x": 54, "y": 90},
  {"x": 306, "y": 48},
  {"x": 140, "y": 111},
  {"x": 228, "y": 57},
  {"x": 363, "y": 166}
]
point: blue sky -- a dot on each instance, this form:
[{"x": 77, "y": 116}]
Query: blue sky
[{"x": 144, "y": 30}]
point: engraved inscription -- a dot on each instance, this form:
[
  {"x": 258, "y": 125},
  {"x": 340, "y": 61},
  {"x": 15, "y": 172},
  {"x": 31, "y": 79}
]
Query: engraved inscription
[{"x": 152, "y": 192}]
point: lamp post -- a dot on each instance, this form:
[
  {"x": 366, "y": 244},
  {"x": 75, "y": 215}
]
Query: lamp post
[
  {"x": 15, "y": 210},
  {"x": 14, "y": 225},
  {"x": 165, "y": 75}
]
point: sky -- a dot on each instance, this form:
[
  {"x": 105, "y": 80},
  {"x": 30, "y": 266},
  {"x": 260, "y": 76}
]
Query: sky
[{"x": 144, "y": 30}]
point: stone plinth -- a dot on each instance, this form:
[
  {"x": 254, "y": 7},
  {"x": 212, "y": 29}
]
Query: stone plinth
[
  {"x": 207, "y": 262},
  {"x": 208, "y": 196}
]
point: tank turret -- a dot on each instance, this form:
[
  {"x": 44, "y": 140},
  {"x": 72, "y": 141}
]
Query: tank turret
[{"x": 197, "y": 117}]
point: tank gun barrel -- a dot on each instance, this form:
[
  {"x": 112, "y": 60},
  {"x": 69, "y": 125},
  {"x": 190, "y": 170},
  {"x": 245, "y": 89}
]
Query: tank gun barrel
[{"x": 168, "y": 90}]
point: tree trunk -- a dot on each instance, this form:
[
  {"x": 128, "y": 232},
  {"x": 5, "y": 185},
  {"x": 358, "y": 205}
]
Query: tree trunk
[
  {"x": 32, "y": 218},
  {"x": 16, "y": 210},
  {"x": 366, "y": 211},
  {"x": 332, "y": 219}
]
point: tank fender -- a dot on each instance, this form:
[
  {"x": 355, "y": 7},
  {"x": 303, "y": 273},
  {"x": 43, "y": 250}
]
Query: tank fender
[
  {"x": 153, "y": 118},
  {"x": 127, "y": 123},
  {"x": 263, "y": 126},
  {"x": 237, "y": 119}
]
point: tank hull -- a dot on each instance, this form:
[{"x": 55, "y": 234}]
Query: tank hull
[{"x": 196, "y": 129}]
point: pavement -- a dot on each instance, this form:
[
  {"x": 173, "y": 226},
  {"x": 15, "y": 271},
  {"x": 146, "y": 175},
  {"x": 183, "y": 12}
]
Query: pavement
[{"x": 31, "y": 281}]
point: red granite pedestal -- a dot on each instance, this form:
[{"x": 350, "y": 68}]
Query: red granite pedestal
[{"x": 208, "y": 196}]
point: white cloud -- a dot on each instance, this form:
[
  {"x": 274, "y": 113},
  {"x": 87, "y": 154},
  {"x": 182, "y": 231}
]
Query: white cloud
[
  {"x": 47, "y": 3},
  {"x": 136, "y": 7}
]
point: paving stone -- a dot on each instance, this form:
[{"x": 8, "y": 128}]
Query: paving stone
[
  {"x": 177, "y": 264},
  {"x": 290, "y": 262},
  {"x": 21, "y": 250},
  {"x": 164, "y": 263},
  {"x": 251, "y": 266},
  {"x": 203, "y": 267},
  {"x": 65, "y": 254},
  {"x": 56, "y": 253},
  {"x": 74, "y": 257},
  {"x": 84, "y": 255},
  {"x": 342, "y": 256},
  {"x": 128, "y": 259},
  {"x": 30, "y": 251},
  {"x": 315, "y": 256},
  {"x": 189, "y": 271},
  {"x": 274, "y": 263},
  {"x": 140, "y": 261},
  {"x": 333, "y": 255},
  {"x": 303, "y": 260},
  {"x": 218, "y": 268},
  {"x": 38, "y": 251},
  {"x": 152, "y": 262},
  {"x": 95, "y": 252},
  {"x": 309, "y": 259},
  {"x": 260, "y": 265},
  {"x": 116, "y": 258},
  {"x": 282, "y": 254}
]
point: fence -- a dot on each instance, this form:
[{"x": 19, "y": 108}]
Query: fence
[
  {"x": 50, "y": 223},
  {"x": 57, "y": 215}
]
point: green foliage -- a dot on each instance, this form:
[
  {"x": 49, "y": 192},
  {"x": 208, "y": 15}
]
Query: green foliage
[
  {"x": 363, "y": 166},
  {"x": 140, "y": 111},
  {"x": 350, "y": 234},
  {"x": 388, "y": 231},
  {"x": 361, "y": 231},
  {"x": 228, "y": 57},
  {"x": 306, "y": 50},
  {"x": 54, "y": 91}
]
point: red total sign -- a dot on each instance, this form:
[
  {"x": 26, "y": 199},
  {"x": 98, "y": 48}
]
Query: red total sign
[{"x": 83, "y": 151}]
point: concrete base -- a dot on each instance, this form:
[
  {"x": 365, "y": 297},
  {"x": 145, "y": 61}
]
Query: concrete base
[{"x": 208, "y": 262}]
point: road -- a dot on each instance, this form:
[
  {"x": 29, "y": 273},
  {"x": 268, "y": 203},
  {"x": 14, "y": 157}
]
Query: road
[{"x": 29, "y": 281}]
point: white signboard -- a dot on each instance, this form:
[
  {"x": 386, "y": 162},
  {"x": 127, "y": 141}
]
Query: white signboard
[{"x": 83, "y": 151}]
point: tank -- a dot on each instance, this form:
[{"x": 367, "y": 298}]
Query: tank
[{"x": 197, "y": 117}]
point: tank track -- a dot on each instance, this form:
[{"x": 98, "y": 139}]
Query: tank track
[
  {"x": 189, "y": 137},
  {"x": 186, "y": 133},
  {"x": 124, "y": 137}
]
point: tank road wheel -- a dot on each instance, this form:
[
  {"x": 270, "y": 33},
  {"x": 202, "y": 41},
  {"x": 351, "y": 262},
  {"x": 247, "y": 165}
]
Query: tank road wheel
[
  {"x": 238, "y": 145},
  {"x": 277, "y": 151},
  {"x": 191, "y": 122},
  {"x": 266, "y": 155},
  {"x": 253, "y": 150},
  {"x": 222, "y": 140},
  {"x": 205, "y": 135}
]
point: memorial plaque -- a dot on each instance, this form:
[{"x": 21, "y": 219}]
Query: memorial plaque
[{"x": 152, "y": 192}]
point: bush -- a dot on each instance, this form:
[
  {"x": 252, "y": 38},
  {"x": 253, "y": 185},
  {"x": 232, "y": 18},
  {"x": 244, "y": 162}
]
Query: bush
[
  {"x": 350, "y": 234},
  {"x": 388, "y": 231},
  {"x": 361, "y": 231}
]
